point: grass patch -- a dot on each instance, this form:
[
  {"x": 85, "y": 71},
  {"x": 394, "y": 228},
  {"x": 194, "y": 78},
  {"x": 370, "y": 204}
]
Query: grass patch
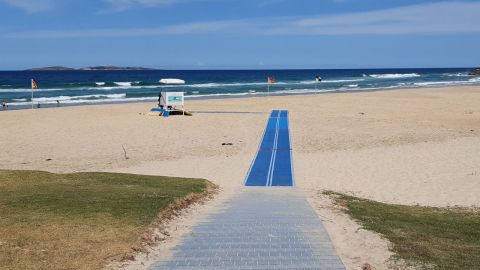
[
  {"x": 81, "y": 220},
  {"x": 436, "y": 238}
]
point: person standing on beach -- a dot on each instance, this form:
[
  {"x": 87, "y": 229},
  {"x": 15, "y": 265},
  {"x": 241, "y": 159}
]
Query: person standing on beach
[
  {"x": 58, "y": 103},
  {"x": 159, "y": 100}
]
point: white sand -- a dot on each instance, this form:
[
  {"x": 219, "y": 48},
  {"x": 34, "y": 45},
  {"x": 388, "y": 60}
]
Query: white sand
[{"x": 405, "y": 146}]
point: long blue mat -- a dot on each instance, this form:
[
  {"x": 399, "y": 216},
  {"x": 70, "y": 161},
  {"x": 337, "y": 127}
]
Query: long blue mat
[{"x": 272, "y": 165}]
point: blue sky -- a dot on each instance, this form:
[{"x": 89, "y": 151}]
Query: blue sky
[{"x": 239, "y": 34}]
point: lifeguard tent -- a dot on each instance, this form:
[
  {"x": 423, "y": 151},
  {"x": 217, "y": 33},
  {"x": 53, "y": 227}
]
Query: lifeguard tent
[{"x": 170, "y": 103}]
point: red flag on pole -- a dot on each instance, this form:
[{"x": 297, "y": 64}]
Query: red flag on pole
[{"x": 34, "y": 84}]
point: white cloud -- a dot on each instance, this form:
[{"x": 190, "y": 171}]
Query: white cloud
[
  {"x": 31, "y": 6},
  {"x": 121, "y": 5},
  {"x": 178, "y": 29},
  {"x": 445, "y": 17}
]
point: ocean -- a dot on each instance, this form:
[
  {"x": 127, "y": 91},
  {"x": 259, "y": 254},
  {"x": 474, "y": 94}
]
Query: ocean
[{"x": 92, "y": 87}]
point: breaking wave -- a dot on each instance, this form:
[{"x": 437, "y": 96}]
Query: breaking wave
[{"x": 393, "y": 76}]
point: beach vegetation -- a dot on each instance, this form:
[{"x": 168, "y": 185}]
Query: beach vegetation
[
  {"x": 84, "y": 220},
  {"x": 438, "y": 238}
]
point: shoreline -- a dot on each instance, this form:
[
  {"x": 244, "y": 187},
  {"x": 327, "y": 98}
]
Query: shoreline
[
  {"x": 237, "y": 95},
  {"x": 406, "y": 146},
  {"x": 337, "y": 131}
]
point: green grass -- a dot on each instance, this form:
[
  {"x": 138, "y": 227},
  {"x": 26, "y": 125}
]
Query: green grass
[
  {"x": 432, "y": 237},
  {"x": 79, "y": 221}
]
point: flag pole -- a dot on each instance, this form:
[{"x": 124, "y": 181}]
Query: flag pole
[{"x": 31, "y": 84}]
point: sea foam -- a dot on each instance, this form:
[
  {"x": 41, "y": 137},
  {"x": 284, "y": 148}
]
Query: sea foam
[
  {"x": 123, "y": 83},
  {"x": 393, "y": 75},
  {"x": 74, "y": 99}
]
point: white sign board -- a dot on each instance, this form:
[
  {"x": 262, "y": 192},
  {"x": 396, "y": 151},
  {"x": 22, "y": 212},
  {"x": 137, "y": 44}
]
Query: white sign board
[{"x": 171, "y": 99}]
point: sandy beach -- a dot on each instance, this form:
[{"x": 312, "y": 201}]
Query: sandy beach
[{"x": 416, "y": 146}]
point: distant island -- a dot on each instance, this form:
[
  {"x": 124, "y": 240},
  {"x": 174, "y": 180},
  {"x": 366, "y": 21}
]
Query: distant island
[
  {"x": 60, "y": 68},
  {"x": 50, "y": 68}
]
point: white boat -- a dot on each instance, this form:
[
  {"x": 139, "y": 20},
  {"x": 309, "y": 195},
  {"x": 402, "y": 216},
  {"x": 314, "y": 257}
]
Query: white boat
[{"x": 172, "y": 81}]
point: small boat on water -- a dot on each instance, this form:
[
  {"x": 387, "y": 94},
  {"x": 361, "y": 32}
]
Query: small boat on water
[{"x": 171, "y": 81}]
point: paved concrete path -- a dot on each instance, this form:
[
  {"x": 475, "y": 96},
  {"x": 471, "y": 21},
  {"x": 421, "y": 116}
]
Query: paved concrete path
[{"x": 261, "y": 228}]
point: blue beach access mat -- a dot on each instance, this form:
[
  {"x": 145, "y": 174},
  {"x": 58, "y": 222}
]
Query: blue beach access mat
[{"x": 272, "y": 165}]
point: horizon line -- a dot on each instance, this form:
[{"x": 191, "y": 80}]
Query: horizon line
[{"x": 235, "y": 69}]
